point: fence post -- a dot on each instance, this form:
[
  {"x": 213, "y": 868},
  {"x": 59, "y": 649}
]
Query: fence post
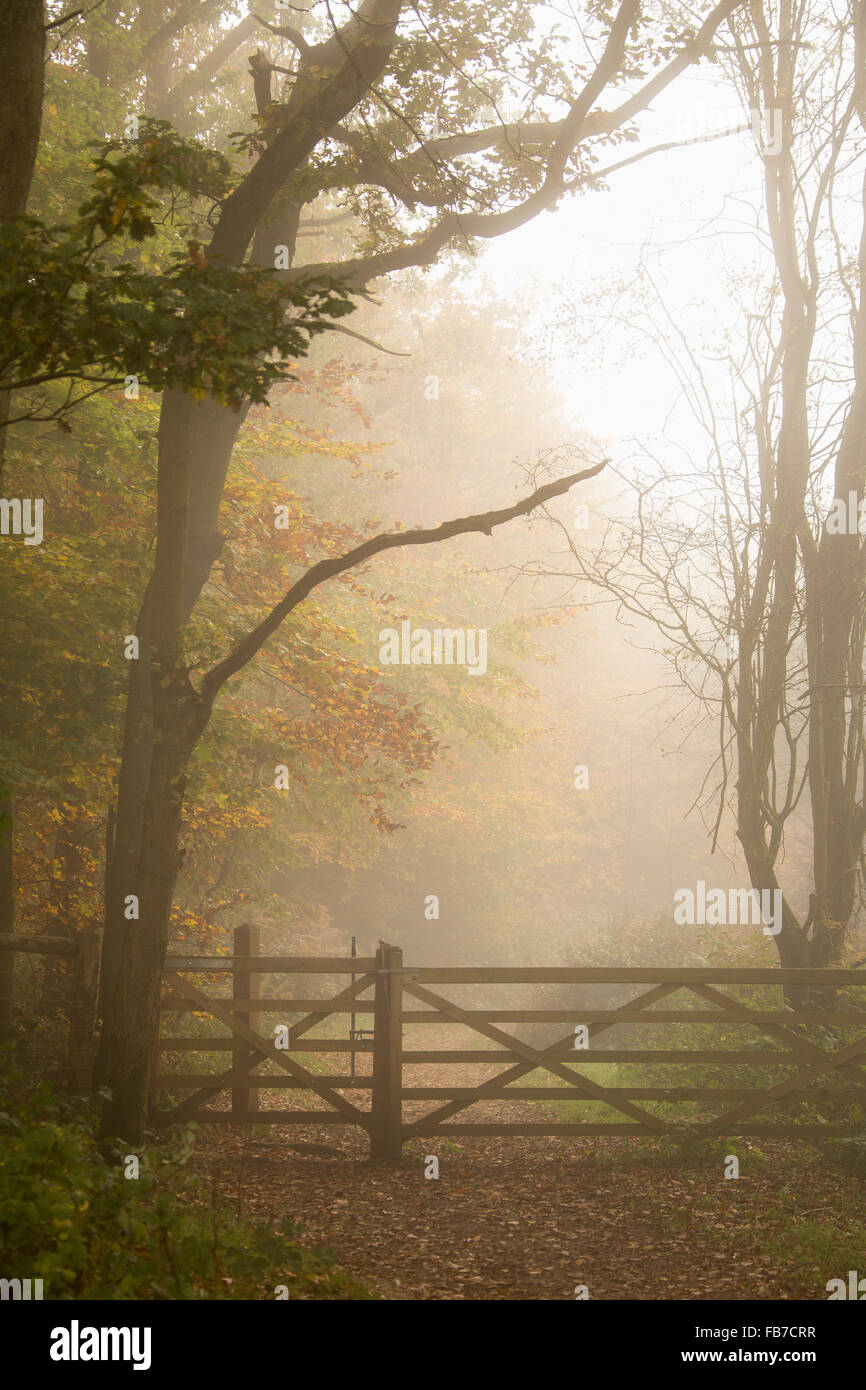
[
  {"x": 245, "y": 985},
  {"x": 386, "y": 1137},
  {"x": 82, "y": 1013}
]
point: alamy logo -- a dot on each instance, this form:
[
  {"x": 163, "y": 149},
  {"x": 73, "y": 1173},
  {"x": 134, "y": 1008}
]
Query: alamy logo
[
  {"x": 767, "y": 130},
  {"x": 856, "y": 1287},
  {"x": 22, "y": 516},
  {"x": 451, "y": 646},
  {"x": 738, "y": 907},
  {"x": 20, "y": 1289},
  {"x": 847, "y": 520},
  {"x": 75, "y": 1343}
]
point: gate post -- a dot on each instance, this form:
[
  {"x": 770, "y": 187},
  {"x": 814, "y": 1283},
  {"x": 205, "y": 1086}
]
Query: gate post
[
  {"x": 245, "y": 985},
  {"x": 386, "y": 1138}
]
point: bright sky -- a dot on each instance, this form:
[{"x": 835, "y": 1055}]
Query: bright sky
[{"x": 667, "y": 209}]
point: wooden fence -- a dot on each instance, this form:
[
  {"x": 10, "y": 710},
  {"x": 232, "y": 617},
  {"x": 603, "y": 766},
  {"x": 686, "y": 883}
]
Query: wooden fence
[
  {"x": 249, "y": 1047},
  {"x": 802, "y": 1046},
  {"x": 82, "y": 952}
]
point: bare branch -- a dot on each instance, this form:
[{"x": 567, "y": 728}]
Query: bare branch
[
  {"x": 482, "y": 523},
  {"x": 362, "y": 338},
  {"x": 210, "y": 64},
  {"x": 64, "y": 19},
  {"x": 287, "y": 31},
  {"x": 191, "y": 12},
  {"x": 577, "y": 126}
]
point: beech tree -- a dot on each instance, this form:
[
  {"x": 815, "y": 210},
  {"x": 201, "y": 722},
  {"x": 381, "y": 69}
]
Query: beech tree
[{"x": 22, "y": 35}]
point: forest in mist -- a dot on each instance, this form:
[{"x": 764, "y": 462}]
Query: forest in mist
[{"x": 433, "y": 472}]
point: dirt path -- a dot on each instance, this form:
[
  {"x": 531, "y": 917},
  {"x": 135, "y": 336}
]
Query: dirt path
[{"x": 531, "y": 1218}]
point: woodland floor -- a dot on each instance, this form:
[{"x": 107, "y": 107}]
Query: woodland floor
[{"x": 531, "y": 1218}]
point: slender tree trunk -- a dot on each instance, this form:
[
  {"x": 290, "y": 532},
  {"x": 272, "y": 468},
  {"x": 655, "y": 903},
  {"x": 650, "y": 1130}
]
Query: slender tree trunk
[
  {"x": 22, "y": 43},
  {"x": 197, "y": 439},
  {"x": 837, "y": 636},
  {"x": 7, "y": 915},
  {"x": 130, "y": 1029},
  {"x": 143, "y": 874}
]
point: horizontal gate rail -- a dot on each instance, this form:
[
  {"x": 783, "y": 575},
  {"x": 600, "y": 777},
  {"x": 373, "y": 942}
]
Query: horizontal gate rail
[
  {"x": 270, "y": 965},
  {"x": 628, "y": 975},
  {"x": 273, "y": 1117},
  {"x": 288, "y": 1083},
  {"x": 616, "y": 1016},
  {"x": 802, "y": 1131},
  {"x": 629, "y": 1092},
  {"x": 286, "y": 1005},
  {"x": 225, "y": 1044},
  {"x": 587, "y": 1059}
]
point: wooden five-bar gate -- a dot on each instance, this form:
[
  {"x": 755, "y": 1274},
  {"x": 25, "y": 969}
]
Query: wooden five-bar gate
[{"x": 802, "y": 1047}]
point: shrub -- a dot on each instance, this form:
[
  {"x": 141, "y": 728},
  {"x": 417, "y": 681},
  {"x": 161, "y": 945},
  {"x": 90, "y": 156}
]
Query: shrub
[{"x": 70, "y": 1216}]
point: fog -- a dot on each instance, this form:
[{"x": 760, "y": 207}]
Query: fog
[{"x": 432, "y": 602}]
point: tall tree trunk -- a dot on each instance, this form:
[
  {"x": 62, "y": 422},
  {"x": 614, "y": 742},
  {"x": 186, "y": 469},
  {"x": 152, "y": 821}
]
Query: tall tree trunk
[
  {"x": 130, "y": 1029},
  {"x": 22, "y": 43},
  {"x": 197, "y": 439},
  {"x": 145, "y": 858},
  {"x": 7, "y": 914}
]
